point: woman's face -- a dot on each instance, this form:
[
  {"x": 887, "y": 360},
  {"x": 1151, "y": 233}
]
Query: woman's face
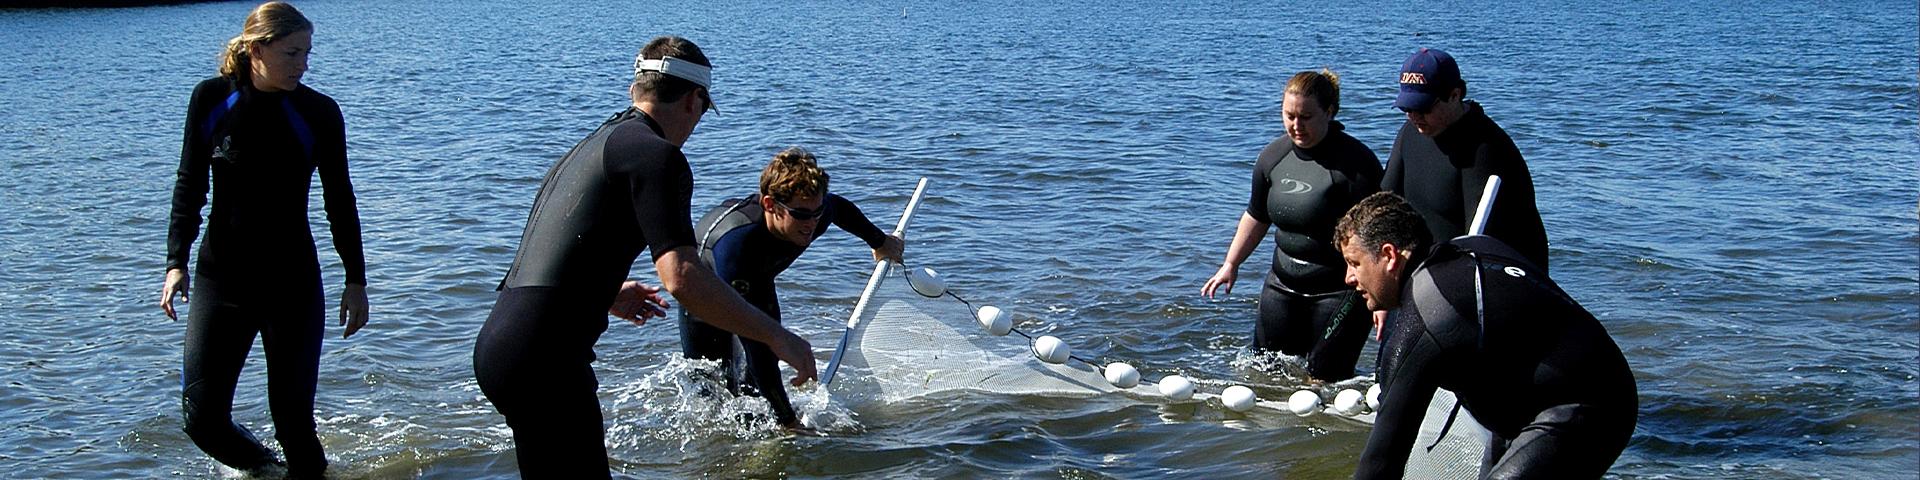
[
  {"x": 1306, "y": 121},
  {"x": 278, "y": 65}
]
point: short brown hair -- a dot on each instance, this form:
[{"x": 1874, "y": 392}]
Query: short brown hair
[
  {"x": 793, "y": 173},
  {"x": 1322, "y": 86},
  {"x": 661, "y": 87},
  {"x": 1379, "y": 219},
  {"x": 269, "y": 22}
]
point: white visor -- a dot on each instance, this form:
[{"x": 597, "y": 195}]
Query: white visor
[{"x": 701, "y": 75}]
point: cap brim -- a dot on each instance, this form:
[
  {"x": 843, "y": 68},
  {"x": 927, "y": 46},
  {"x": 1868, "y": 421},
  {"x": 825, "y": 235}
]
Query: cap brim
[{"x": 1413, "y": 100}]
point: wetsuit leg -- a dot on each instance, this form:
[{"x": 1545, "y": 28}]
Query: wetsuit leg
[
  {"x": 1341, "y": 323},
  {"x": 534, "y": 361},
  {"x": 294, "y": 325},
  {"x": 1284, "y": 325},
  {"x": 1567, "y": 441},
  {"x": 218, "y": 337},
  {"x": 699, "y": 340},
  {"x": 762, "y": 368},
  {"x": 763, "y": 376}
]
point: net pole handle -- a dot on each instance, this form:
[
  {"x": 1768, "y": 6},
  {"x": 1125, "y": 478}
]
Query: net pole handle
[
  {"x": 873, "y": 282},
  {"x": 880, "y": 266},
  {"x": 1486, "y": 206}
]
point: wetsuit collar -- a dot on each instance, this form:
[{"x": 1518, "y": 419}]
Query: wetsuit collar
[
  {"x": 1467, "y": 126},
  {"x": 636, "y": 112}
]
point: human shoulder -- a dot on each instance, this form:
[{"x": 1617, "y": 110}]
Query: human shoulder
[
  {"x": 309, "y": 96},
  {"x": 1273, "y": 153},
  {"x": 632, "y": 145},
  {"x": 215, "y": 86}
]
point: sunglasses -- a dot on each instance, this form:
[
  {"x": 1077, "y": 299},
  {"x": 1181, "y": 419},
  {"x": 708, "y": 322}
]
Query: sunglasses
[
  {"x": 709, "y": 99},
  {"x": 802, "y": 214}
]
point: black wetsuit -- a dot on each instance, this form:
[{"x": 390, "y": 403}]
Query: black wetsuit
[
  {"x": 1531, "y": 364},
  {"x": 1305, "y": 308},
  {"x": 1443, "y": 178},
  {"x": 623, "y": 189},
  {"x": 258, "y": 272},
  {"x": 735, "y": 242}
]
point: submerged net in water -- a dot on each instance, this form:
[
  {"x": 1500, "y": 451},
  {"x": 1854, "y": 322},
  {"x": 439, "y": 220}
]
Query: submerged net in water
[{"x": 905, "y": 345}]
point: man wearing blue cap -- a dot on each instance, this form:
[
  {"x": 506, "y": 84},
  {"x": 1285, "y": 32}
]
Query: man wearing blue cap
[{"x": 1444, "y": 153}]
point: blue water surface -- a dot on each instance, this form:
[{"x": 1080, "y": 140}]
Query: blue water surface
[{"x": 1729, "y": 186}]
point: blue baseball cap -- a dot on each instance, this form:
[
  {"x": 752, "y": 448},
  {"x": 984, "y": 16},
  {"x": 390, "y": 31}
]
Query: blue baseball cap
[{"x": 1428, "y": 76}]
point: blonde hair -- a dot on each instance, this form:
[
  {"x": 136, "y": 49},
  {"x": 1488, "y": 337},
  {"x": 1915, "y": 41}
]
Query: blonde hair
[
  {"x": 1322, "y": 86},
  {"x": 269, "y": 22},
  {"x": 793, "y": 174}
]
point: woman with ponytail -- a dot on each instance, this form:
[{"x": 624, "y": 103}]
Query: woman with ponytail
[{"x": 256, "y": 135}]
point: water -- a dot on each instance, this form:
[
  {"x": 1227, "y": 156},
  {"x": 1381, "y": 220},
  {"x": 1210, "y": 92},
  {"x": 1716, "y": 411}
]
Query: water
[{"x": 1729, "y": 186}]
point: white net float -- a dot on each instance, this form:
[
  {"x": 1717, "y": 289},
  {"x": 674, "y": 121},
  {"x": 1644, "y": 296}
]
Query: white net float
[
  {"x": 1373, "y": 397},
  {"x": 926, "y": 282},
  {"x": 1051, "y": 350},
  {"x": 1122, "y": 375},
  {"x": 1238, "y": 398},
  {"x": 1303, "y": 403},
  {"x": 996, "y": 321},
  {"x": 1176, "y": 387},
  {"x": 1349, "y": 402}
]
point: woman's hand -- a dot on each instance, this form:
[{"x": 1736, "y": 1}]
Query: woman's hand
[
  {"x": 353, "y": 308},
  {"x": 176, "y": 284}
]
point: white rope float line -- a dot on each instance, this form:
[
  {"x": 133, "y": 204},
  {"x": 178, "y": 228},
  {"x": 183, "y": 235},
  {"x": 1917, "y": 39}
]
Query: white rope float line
[{"x": 1051, "y": 349}]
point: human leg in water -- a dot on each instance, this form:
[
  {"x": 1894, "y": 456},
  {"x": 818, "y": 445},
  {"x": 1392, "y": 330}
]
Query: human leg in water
[
  {"x": 292, "y": 337},
  {"x": 219, "y": 335}
]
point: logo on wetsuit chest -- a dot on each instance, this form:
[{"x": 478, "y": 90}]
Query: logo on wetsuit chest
[
  {"x": 1515, "y": 272},
  {"x": 1294, "y": 187}
]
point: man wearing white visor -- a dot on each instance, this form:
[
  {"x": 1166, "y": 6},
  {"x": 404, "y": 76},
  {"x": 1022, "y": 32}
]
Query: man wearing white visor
[{"x": 626, "y": 188}]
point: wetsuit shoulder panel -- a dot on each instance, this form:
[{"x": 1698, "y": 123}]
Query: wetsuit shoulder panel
[{"x": 1270, "y": 156}]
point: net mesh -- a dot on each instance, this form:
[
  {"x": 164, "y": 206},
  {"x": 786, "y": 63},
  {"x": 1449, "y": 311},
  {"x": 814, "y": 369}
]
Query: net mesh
[{"x": 906, "y": 345}]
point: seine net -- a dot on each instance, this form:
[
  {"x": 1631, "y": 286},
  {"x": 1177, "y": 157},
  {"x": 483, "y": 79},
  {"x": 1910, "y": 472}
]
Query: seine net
[{"x": 906, "y": 345}]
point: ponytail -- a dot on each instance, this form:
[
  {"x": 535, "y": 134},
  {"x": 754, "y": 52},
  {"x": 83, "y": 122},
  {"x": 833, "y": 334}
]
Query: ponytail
[{"x": 269, "y": 22}]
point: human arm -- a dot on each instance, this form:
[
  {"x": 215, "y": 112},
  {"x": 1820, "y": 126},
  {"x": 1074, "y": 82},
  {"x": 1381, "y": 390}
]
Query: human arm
[
  {"x": 848, "y": 217},
  {"x": 705, "y": 296},
  {"x": 1515, "y": 217},
  {"x": 343, "y": 214},
  {"x": 1392, "y": 177},
  {"x": 1245, "y": 239},
  {"x": 190, "y": 187},
  {"x": 1408, "y": 384}
]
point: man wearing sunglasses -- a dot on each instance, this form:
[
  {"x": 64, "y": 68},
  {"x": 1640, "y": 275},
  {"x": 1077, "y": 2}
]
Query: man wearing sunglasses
[
  {"x": 625, "y": 188},
  {"x": 1444, "y": 153},
  {"x": 750, "y": 241}
]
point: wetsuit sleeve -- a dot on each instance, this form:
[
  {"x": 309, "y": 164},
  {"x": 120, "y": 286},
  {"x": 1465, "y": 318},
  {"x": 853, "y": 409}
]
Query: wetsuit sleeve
[
  {"x": 190, "y": 181},
  {"x": 1269, "y": 157},
  {"x": 1409, "y": 386},
  {"x": 1365, "y": 174},
  {"x": 662, "y": 196},
  {"x": 343, "y": 212},
  {"x": 1516, "y": 219},
  {"x": 1392, "y": 179},
  {"x": 848, "y": 217}
]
